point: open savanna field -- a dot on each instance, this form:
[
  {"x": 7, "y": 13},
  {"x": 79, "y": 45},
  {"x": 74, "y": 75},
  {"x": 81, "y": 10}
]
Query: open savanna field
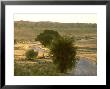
[{"x": 25, "y": 32}]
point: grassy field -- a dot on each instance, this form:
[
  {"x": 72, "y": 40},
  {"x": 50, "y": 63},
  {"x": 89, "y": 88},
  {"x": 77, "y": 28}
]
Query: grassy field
[
  {"x": 25, "y": 30},
  {"x": 25, "y": 33},
  {"x": 35, "y": 67}
]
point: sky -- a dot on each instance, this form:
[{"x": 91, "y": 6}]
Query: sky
[{"x": 63, "y": 18}]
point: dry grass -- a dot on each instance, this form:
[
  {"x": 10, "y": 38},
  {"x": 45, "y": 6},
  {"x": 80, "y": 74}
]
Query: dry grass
[
  {"x": 86, "y": 49},
  {"x": 35, "y": 68}
]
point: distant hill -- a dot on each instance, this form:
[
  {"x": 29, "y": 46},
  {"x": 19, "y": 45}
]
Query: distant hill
[
  {"x": 48, "y": 24},
  {"x": 26, "y": 30}
]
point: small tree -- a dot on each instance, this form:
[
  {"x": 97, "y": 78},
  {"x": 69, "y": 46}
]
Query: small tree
[
  {"x": 47, "y": 37},
  {"x": 64, "y": 54},
  {"x": 31, "y": 54}
]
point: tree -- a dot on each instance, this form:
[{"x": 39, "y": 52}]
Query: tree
[
  {"x": 31, "y": 54},
  {"x": 64, "y": 54},
  {"x": 47, "y": 37}
]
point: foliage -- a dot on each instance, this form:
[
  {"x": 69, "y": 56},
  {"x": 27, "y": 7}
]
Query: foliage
[
  {"x": 31, "y": 54},
  {"x": 15, "y": 41},
  {"x": 64, "y": 54},
  {"x": 47, "y": 37},
  {"x": 35, "y": 69}
]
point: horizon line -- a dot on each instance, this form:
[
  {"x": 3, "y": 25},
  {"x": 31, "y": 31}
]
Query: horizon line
[{"x": 55, "y": 21}]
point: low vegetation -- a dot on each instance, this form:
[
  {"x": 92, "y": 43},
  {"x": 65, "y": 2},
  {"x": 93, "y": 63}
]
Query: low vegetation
[
  {"x": 39, "y": 68},
  {"x": 31, "y": 54}
]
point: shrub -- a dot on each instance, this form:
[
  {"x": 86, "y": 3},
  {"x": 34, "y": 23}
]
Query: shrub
[
  {"x": 64, "y": 54},
  {"x": 31, "y": 54},
  {"x": 15, "y": 41},
  {"x": 47, "y": 37}
]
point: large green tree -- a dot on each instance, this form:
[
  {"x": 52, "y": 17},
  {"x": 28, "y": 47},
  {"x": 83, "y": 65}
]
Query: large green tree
[
  {"x": 47, "y": 37},
  {"x": 64, "y": 54}
]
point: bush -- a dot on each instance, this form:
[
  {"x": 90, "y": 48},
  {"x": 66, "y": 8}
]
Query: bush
[
  {"x": 15, "y": 41},
  {"x": 31, "y": 54},
  {"x": 47, "y": 37},
  {"x": 64, "y": 54}
]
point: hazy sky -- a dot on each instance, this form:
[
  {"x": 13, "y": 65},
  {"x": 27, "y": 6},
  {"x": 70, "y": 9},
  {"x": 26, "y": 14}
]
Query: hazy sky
[{"x": 64, "y": 18}]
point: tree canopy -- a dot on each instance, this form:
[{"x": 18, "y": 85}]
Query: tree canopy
[
  {"x": 47, "y": 37},
  {"x": 64, "y": 54}
]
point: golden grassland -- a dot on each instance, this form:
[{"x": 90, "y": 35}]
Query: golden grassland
[{"x": 85, "y": 49}]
